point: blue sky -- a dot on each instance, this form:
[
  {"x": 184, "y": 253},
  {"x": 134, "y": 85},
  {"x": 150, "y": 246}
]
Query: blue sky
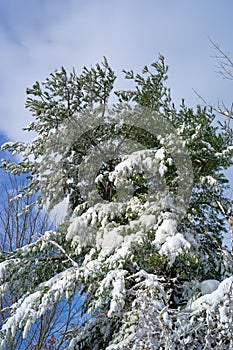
[{"x": 38, "y": 36}]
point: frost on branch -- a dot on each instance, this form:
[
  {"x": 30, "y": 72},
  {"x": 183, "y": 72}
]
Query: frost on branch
[{"x": 142, "y": 240}]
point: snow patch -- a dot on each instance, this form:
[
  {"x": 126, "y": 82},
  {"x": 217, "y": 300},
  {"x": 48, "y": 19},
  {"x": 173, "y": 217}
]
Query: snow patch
[{"x": 212, "y": 300}]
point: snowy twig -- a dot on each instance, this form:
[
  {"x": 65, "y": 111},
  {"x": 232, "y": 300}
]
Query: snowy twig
[
  {"x": 229, "y": 294},
  {"x": 63, "y": 251}
]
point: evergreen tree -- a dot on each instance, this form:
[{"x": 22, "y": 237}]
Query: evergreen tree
[{"x": 142, "y": 240}]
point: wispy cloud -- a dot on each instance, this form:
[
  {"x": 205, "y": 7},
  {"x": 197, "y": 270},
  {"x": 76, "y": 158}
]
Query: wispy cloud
[{"x": 38, "y": 36}]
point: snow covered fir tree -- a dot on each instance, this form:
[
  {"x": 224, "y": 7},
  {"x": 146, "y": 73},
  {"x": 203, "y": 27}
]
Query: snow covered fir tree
[{"x": 142, "y": 241}]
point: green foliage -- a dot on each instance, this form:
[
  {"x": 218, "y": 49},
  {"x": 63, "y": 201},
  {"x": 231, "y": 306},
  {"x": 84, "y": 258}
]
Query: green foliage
[{"x": 121, "y": 252}]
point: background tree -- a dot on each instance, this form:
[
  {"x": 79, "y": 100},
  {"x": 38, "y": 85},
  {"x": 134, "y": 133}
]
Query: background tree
[
  {"x": 18, "y": 226},
  {"x": 143, "y": 237},
  {"x": 21, "y": 224}
]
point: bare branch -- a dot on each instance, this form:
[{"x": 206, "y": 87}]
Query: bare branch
[{"x": 225, "y": 63}]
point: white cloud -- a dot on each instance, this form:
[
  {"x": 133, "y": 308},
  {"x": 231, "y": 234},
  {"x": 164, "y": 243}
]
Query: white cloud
[{"x": 37, "y": 37}]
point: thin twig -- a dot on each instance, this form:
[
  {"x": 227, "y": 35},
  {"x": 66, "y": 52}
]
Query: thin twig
[{"x": 63, "y": 251}]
